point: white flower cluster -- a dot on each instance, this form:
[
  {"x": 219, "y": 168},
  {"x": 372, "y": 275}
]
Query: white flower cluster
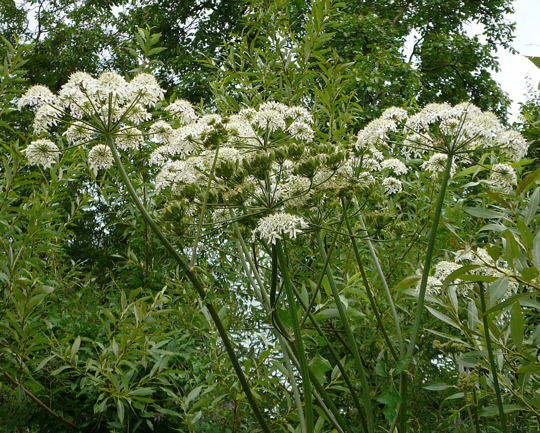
[
  {"x": 100, "y": 157},
  {"x": 42, "y": 152},
  {"x": 278, "y": 226},
  {"x": 91, "y": 106},
  {"x": 433, "y": 133},
  {"x": 479, "y": 257},
  {"x": 503, "y": 177}
]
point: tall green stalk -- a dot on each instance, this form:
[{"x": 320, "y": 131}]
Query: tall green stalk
[
  {"x": 429, "y": 256},
  {"x": 256, "y": 282},
  {"x": 354, "y": 347},
  {"x": 308, "y": 398},
  {"x": 422, "y": 289},
  {"x": 288, "y": 349},
  {"x": 335, "y": 357},
  {"x": 195, "y": 282},
  {"x": 367, "y": 286},
  {"x": 384, "y": 283},
  {"x": 492, "y": 364}
]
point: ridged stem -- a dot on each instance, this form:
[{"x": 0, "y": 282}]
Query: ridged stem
[
  {"x": 492, "y": 364},
  {"x": 304, "y": 369},
  {"x": 195, "y": 282},
  {"x": 348, "y": 331},
  {"x": 422, "y": 290}
]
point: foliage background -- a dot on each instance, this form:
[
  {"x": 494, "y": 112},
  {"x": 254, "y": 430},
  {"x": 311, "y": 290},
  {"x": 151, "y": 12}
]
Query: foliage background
[{"x": 83, "y": 280}]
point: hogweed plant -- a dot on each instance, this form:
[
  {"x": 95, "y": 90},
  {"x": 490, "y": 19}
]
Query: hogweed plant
[{"x": 264, "y": 180}]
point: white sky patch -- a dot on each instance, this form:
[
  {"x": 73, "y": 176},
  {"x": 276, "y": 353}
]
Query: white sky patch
[{"x": 517, "y": 73}]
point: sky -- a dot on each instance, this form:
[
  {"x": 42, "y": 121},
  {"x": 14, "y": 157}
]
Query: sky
[{"x": 516, "y": 70}]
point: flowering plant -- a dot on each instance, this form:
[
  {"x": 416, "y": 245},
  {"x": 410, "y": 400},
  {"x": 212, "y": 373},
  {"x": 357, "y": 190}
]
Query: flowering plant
[{"x": 265, "y": 169}]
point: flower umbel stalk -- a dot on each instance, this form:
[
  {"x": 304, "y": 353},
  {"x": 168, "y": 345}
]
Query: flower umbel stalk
[
  {"x": 308, "y": 398},
  {"x": 354, "y": 347},
  {"x": 423, "y": 285},
  {"x": 494, "y": 369},
  {"x": 194, "y": 280}
]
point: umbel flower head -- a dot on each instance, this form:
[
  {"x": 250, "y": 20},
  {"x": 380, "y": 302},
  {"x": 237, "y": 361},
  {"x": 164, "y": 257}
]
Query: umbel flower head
[
  {"x": 92, "y": 108},
  {"x": 279, "y": 226},
  {"x": 439, "y": 131},
  {"x": 42, "y": 152},
  {"x": 261, "y": 160},
  {"x": 100, "y": 157}
]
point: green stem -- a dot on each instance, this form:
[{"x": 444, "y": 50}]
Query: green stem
[
  {"x": 278, "y": 249},
  {"x": 354, "y": 347},
  {"x": 384, "y": 283},
  {"x": 258, "y": 285},
  {"x": 494, "y": 370},
  {"x": 429, "y": 255},
  {"x": 288, "y": 351},
  {"x": 335, "y": 357},
  {"x": 475, "y": 412},
  {"x": 196, "y": 283},
  {"x": 369, "y": 292},
  {"x": 423, "y": 285}
]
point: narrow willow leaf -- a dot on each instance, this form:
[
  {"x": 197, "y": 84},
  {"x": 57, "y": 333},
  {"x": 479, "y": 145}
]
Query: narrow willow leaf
[
  {"x": 517, "y": 324},
  {"x": 507, "y": 302},
  {"x": 483, "y": 213},
  {"x": 529, "y": 368},
  {"x": 443, "y": 317},
  {"x": 75, "y": 346},
  {"x": 472, "y": 314},
  {"x": 532, "y": 207},
  {"x": 120, "y": 411},
  {"x": 455, "y": 396},
  {"x": 493, "y": 411},
  {"x": 447, "y": 336},
  {"x": 536, "y": 250},
  {"x": 438, "y": 386}
]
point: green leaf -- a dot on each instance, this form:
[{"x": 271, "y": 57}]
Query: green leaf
[
  {"x": 390, "y": 398},
  {"x": 75, "y": 346},
  {"x": 36, "y": 299},
  {"x": 529, "y": 368},
  {"x": 507, "y": 302},
  {"x": 44, "y": 362},
  {"x": 517, "y": 324},
  {"x": 483, "y": 213},
  {"x": 142, "y": 391},
  {"x": 527, "y": 181},
  {"x": 493, "y": 411},
  {"x": 532, "y": 207},
  {"x": 536, "y": 250},
  {"x": 120, "y": 411},
  {"x": 455, "y": 396},
  {"x": 438, "y": 387},
  {"x": 535, "y": 60},
  {"x": 496, "y": 291},
  {"x": 443, "y": 317},
  {"x": 194, "y": 393},
  {"x": 320, "y": 366}
]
